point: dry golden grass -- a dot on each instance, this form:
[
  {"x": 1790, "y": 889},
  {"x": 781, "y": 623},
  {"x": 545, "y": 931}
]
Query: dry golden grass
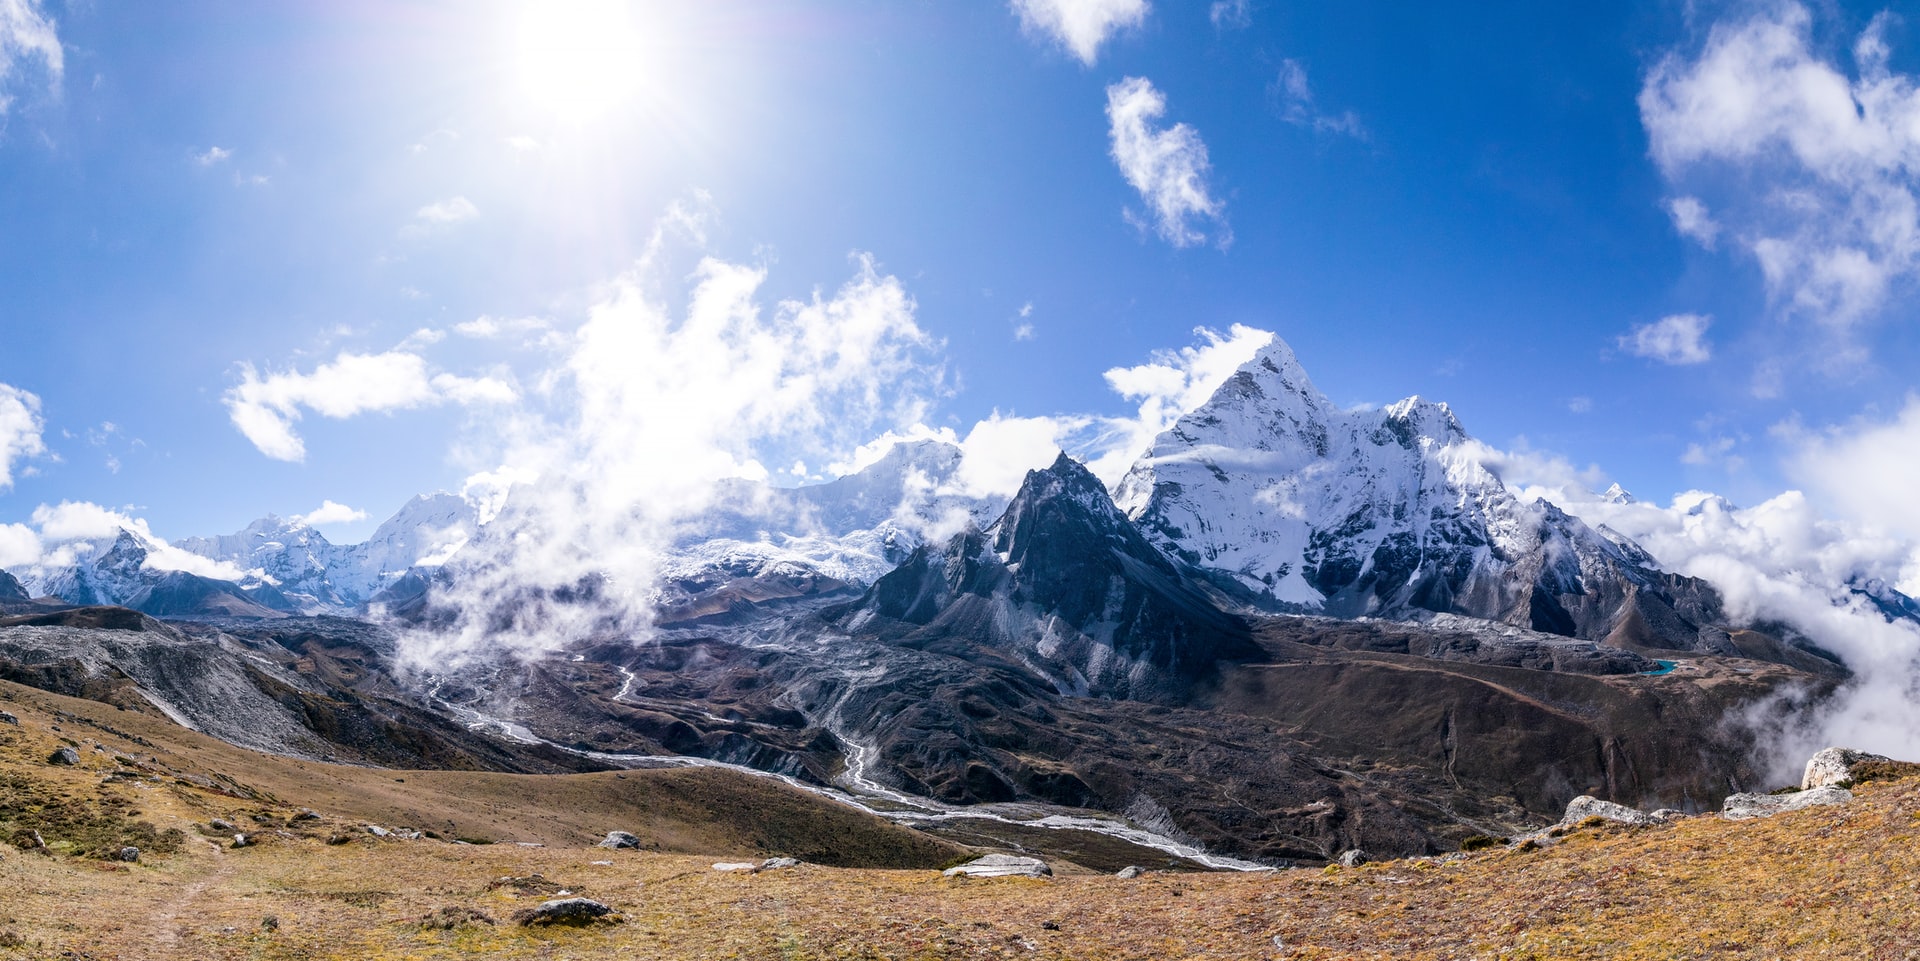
[{"x": 1833, "y": 882}]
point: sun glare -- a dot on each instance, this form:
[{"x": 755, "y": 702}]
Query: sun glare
[{"x": 580, "y": 60}]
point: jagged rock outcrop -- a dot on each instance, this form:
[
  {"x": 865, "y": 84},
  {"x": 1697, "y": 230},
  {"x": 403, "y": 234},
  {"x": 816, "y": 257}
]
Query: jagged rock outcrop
[{"x": 1070, "y": 589}]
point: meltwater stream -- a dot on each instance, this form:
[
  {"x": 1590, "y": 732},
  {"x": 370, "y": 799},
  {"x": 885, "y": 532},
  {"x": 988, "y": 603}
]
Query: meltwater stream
[{"x": 862, "y": 793}]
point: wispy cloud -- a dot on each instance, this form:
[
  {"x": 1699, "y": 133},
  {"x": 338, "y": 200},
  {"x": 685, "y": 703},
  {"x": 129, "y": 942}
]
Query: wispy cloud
[
  {"x": 20, "y": 431},
  {"x": 1081, "y": 26},
  {"x": 1813, "y": 170},
  {"x": 27, "y": 35},
  {"x": 1168, "y": 166},
  {"x": 1231, "y": 14},
  {"x": 453, "y": 210},
  {"x": 213, "y": 155},
  {"x": 1691, "y": 219},
  {"x": 1680, "y": 339},
  {"x": 265, "y": 408},
  {"x": 1294, "y": 96}
]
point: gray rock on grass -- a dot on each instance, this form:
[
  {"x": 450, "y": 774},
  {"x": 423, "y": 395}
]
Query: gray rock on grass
[
  {"x": 563, "y": 911},
  {"x": 66, "y": 756},
  {"x": 1587, "y": 806},
  {"x": 1001, "y": 866},
  {"x": 1742, "y": 807},
  {"x": 620, "y": 840}
]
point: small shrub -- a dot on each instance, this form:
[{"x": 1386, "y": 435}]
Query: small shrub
[{"x": 1480, "y": 842}]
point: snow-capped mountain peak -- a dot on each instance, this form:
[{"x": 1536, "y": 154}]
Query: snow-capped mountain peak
[{"x": 1302, "y": 505}]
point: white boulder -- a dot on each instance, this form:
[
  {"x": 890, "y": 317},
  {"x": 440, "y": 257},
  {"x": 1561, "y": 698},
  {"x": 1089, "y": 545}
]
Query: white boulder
[{"x": 1833, "y": 765}]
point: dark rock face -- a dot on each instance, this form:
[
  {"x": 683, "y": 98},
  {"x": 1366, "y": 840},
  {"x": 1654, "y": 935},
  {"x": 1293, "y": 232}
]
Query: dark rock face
[
  {"x": 11, "y": 590},
  {"x": 1065, "y": 585}
]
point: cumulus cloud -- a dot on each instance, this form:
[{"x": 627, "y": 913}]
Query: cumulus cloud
[
  {"x": 20, "y": 431},
  {"x": 265, "y": 408},
  {"x": 19, "y": 546},
  {"x": 661, "y": 397},
  {"x": 1295, "y": 98},
  {"x": 1168, "y": 166},
  {"x": 330, "y": 512},
  {"x": 1679, "y": 340},
  {"x": 27, "y": 36},
  {"x": 450, "y": 211},
  {"x": 1867, "y": 470},
  {"x": 1081, "y": 26},
  {"x": 1815, "y": 167}
]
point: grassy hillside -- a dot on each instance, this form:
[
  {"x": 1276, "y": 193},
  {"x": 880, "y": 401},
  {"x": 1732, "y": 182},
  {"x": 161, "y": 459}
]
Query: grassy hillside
[{"x": 1829, "y": 882}]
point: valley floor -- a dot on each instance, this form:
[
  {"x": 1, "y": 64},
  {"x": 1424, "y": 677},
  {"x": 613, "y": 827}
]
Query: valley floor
[{"x": 1840, "y": 882}]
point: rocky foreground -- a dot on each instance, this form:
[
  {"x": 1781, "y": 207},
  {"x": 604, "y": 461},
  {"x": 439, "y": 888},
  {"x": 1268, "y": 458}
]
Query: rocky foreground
[{"x": 220, "y": 868}]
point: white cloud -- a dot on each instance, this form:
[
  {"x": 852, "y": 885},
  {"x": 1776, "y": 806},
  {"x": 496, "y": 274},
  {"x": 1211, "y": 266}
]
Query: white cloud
[
  {"x": 651, "y": 408},
  {"x": 1167, "y": 166},
  {"x": 27, "y": 34},
  {"x": 266, "y": 408},
  {"x": 1295, "y": 98},
  {"x": 1080, "y": 25},
  {"x": 1816, "y": 169},
  {"x": 1868, "y": 470},
  {"x": 1231, "y": 14},
  {"x": 74, "y": 529},
  {"x": 19, "y": 546},
  {"x": 1714, "y": 452},
  {"x": 213, "y": 156},
  {"x": 999, "y": 451},
  {"x": 1023, "y": 331},
  {"x": 330, "y": 512},
  {"x": 1679, "y": 339},
  {"x": 20, "y": 431},
  {"x": 487, "y": 328},
  {"x": 522, "y": 144},
  {"x": 450, "y": 211},
  {"x": 1579, "y": 405},
  {"x": 424, "y": 337},
  {"x": 1691, "y": 219}
]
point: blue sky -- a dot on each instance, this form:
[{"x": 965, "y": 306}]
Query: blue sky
[{"x": 1667, "y": 239}]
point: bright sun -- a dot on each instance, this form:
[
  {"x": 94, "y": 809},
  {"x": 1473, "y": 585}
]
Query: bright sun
[{"x": 580, "y": 60}]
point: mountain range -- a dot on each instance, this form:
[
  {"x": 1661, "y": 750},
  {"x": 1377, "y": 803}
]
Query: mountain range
[{"x": 1291, "y": 629}]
